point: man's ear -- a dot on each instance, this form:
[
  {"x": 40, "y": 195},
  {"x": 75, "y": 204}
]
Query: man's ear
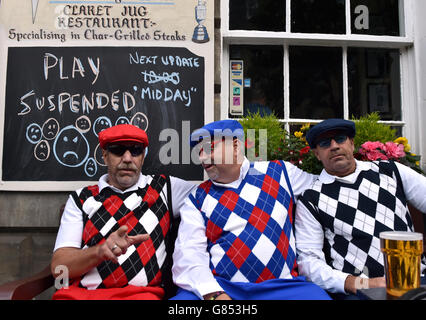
[
  {"x": 316, "y": 153},
  {"x": 238, "y": 151},
  {"x": 104, "y": 155},
  {"x": 352, "y": 143}
]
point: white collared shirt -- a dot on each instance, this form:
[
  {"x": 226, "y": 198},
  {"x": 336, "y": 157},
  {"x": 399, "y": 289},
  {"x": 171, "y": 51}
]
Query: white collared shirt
[
  {"x": 71, "y": 227},
  {"x": 310, "y": 234},
  {"x": 191, "y": 268}
]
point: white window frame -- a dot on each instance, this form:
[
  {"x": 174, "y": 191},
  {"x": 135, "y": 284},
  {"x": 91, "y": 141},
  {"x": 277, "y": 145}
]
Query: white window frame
[{"x": 286, "y": 39}]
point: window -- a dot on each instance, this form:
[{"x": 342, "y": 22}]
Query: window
[
  {"x": 376, "y": 17},
  {"x": 374, "y": 82},
  {"x": 263, "y": 74},
  {"x": 316, "y": 86},
  {"x": 308, "y": 60},
  {"x": 266, "y": 15},
  {"x": 318, "y": 16}
]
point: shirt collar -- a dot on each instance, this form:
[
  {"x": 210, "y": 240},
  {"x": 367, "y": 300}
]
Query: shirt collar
[
  {"x": 236, "y": 183},
  {"x": 103, "y": 183},
  {"x": 327, "y": 178}
]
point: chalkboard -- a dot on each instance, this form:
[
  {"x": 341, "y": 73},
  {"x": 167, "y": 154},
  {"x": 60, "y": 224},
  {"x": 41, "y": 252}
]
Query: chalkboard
[{"x": 59, "y": 98}]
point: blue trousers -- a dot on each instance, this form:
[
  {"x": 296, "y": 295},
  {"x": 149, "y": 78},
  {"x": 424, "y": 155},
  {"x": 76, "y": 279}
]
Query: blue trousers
[{"x": 276, "y": 289}]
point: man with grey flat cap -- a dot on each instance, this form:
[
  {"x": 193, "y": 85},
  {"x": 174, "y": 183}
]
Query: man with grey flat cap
[{"x": 338, "y": 219}]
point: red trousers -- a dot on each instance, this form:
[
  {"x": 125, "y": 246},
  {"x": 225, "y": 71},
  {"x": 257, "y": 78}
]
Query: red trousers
[{"x": 126, "y": 293}]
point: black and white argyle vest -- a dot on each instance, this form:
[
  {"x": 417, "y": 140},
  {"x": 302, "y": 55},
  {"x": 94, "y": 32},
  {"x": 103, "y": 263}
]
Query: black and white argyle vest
[
  {"x": 146, "y": 210},
  {"x": 353, "y": 215}
]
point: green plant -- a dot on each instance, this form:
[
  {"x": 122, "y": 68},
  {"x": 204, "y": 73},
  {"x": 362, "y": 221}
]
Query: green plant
[
  {"x": 296, "y": 150},
  {"x": 280, "y": 144},
  {"x": 373, "y": 141},
  {"x": 368, "y": 128},
  {"x": 273, "y": 127}
]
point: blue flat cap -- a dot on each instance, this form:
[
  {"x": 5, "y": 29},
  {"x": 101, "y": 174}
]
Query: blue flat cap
[
  {"x": 217, "y": 129},
  {"x": 328, "y": 125}
]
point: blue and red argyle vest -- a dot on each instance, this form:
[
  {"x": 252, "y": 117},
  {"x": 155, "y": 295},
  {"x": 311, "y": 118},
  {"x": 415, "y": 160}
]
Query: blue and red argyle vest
[
  {"x": 250, "y": 229},
  {"x": 143, "y": 211}
]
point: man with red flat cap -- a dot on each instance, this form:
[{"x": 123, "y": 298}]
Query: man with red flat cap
[{"x": 115, "y": 237}]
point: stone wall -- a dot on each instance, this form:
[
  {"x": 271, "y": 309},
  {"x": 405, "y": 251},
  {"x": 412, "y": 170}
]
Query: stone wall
[
  {"x": 29, "y": 220},
  {"x": 28, "y": 225}
]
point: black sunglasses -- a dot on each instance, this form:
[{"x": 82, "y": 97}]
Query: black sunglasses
[
  {"x": 326, "y": 142},
  {"x": 120, "y": 149}
]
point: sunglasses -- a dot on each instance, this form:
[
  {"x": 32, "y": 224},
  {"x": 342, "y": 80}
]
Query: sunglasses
[
  {"x": 120, "y": 149},
  {"x": 326, "y": 142}
]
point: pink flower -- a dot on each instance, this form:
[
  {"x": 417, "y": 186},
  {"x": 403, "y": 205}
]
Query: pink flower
[
  {"x": 373, "y": 151},
  {"x": 370, "y": 145},
  {"x": 393, "y": 150},
  {"x": 375, "y": 155}
]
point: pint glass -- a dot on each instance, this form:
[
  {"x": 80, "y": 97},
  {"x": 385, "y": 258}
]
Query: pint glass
[{"x": 402, "y": 252}]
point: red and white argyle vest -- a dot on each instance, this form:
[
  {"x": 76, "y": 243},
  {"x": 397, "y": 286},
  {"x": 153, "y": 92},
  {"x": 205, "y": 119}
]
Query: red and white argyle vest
[{"x": 143, "y": 211}]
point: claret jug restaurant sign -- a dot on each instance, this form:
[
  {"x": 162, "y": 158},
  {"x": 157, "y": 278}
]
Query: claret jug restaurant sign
[{"x": 70, "y": 69}]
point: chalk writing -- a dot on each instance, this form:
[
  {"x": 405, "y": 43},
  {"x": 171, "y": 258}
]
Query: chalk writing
[
  {"x": 66, "y": 96},
  {"x": 50, "y": 61}
]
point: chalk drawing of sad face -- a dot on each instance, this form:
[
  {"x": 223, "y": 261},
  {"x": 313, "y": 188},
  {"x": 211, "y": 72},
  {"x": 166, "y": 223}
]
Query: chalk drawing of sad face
[
  {"x": 90, "y": 168},
  {"x": 140, "y": 120},
  {"x": 42, "y": 150},
  {"x": 71, "y": 148},
  {"x": 83, "y": 124},
  {"x": 100, "y": 124},
  {"x": 50, "y": 128},
  {"x": 34, "y": 133}
]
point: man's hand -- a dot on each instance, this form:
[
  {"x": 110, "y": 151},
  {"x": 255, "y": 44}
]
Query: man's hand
[
  {"x": 80, "y": 261},
  {"x": 117, "y": 243},
  {"x": 222, "y": 296},
  {"x": 352, "y": 283}
]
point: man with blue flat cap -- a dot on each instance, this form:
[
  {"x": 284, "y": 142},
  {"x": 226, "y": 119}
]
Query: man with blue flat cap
[
  {"x": 339, "y": 218},
  {"x": 236, "y": 238}
]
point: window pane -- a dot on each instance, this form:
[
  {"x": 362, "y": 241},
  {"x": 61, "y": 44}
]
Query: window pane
[
  {"x": 264, "y": 15},
  {"x": 316, "y": 84},
  {"x": 263, "y": 75},
  {"x": 398, "y": 131},
  {"x": 318, "y": 16},
  {"x": 374, "y": 82},
  {"x": 375, "y": 17}
]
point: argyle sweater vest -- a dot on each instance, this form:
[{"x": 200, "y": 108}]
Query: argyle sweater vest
[
  {"x": 353, "y": 215},
  {"x": 146, "y": 210},
  {"x": 250, "y": 228}
]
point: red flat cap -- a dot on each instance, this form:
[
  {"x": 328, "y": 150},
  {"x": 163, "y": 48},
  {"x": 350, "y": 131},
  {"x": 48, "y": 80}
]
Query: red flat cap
[{"x": 122, "y": 133}]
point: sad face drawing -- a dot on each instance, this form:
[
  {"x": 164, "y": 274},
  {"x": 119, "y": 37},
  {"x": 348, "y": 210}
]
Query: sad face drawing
[
  {"x": 100, "y": 124},
  {"x": 50, "y": 128},
  {"x": 42, "y": 150},
  {"x": 33, "y": 133},
  {"x": 71, "y": 148}
]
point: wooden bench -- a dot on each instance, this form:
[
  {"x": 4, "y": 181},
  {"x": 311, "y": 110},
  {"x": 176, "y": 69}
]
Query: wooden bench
[{"x": 30, "y": 287}]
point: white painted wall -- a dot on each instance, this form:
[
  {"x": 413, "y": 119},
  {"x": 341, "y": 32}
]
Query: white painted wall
[{"x": 417, "y": 120}]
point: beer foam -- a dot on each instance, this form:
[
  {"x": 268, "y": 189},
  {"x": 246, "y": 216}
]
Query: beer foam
[{"x": 401, "y": 235}]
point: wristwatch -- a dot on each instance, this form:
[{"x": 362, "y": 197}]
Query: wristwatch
[{"x": 214, "y": 295}]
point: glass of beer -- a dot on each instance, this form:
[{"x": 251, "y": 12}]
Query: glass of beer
[{"x": 402, "y": 253}]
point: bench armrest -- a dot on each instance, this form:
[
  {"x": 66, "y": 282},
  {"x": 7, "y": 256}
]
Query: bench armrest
[{"x": 27, "y": 288}]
